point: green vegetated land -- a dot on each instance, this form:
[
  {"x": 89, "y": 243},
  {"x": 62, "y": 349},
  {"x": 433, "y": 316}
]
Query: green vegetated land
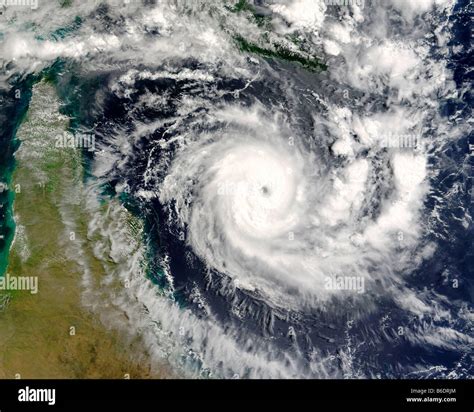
[
  {"x": 272, "y": 50},
  {"x": 280, "y": 53}
]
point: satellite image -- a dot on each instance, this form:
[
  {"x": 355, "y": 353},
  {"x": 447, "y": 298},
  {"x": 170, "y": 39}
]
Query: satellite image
[{"x": 236, "y": 190}]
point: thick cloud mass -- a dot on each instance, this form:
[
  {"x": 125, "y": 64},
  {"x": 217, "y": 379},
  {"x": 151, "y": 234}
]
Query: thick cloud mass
[{"x": 263, "y": 209}]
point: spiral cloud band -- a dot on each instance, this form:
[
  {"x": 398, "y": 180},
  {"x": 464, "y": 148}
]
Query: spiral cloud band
[{"x": 260, "y": 206}]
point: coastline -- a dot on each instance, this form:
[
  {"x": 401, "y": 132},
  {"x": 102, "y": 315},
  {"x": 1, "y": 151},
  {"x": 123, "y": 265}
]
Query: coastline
[{"x": 51, "y": 334}]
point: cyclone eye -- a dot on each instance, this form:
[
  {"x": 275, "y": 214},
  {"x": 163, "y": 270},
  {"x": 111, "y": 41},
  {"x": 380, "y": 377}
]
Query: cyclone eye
[{"x": 265, "y": 190}]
